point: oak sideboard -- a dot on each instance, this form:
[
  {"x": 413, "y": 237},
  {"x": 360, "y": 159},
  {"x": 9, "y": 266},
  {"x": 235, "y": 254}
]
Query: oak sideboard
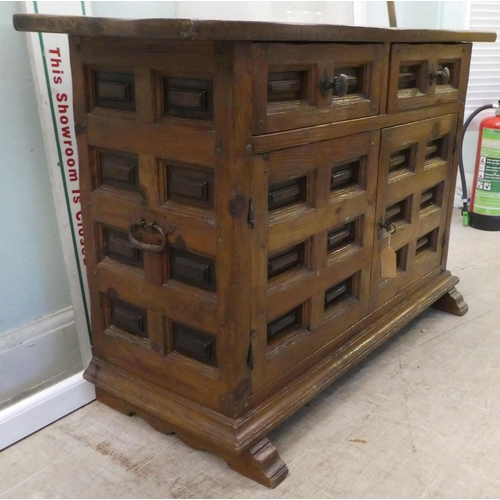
[{"x": 263, "y": 205}]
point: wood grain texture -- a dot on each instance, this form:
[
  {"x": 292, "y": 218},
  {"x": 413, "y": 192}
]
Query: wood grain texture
[{"x": 191, "y": 29}]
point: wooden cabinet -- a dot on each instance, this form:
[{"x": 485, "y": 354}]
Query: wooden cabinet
[{"x": 239, "y": 181}]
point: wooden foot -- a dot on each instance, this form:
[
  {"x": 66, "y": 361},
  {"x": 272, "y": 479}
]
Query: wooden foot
[
  {"x": 452, "y": 302},
  {"x": 261, "y": 462},
  {"x": 157, "y": 423},
  {"x": 114, "y": 402}
]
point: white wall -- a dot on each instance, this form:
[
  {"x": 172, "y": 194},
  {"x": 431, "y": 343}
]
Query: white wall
[
  {"x": 413, "y": 14},
  {"x": 133, "y": 10},
  {"x": 338, "y": 12}
]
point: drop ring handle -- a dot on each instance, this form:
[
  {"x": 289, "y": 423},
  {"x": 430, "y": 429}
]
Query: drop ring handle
[{"x": 147, "y": 246}]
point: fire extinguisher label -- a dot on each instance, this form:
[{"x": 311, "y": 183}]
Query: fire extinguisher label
[{"x": 487, "y": 197}]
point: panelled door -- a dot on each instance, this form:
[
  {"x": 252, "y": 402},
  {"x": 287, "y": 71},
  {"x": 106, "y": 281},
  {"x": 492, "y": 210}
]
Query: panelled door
[
  {"x": 315, "y": 221},
  {"x": 413, "y": 189}
]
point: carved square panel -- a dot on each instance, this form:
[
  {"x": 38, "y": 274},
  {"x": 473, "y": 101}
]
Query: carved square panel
[
  {"x": 116, "y": 169},
  {"x": 190, "y": 186},
  {"x": 188, "y": 98},
  {"x": 192, "y": 269},
  {"x": 128, "y": 317},
  {"x": 194, "y": 344},
  {"x": 114, "y": 90},
  {"x": 117, "y": 246}
]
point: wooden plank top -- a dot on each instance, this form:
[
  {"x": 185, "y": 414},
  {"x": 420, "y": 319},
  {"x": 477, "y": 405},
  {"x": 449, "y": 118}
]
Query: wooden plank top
[{"x": 192, "y": 29}]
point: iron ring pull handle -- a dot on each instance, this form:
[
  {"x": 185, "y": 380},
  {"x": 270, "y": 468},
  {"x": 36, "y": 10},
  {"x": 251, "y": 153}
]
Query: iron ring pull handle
[
  {"x": 147, "y": 246},
  {"x": 337, "y": 83},
  {"x": 444, "y": 74}
]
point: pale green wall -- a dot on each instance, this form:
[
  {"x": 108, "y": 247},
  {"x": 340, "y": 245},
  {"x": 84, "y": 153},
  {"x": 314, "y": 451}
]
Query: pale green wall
[{"x": 33, "y": 282}]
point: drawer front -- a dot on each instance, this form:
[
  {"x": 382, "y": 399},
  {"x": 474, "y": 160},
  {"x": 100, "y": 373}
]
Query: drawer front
[
  {"x": 302, "y": 85},
  {"x": 427, "y": 75}
]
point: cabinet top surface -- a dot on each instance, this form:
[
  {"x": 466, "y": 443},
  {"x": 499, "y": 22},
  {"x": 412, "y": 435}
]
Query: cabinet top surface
[{"x": 192, "y": 29}]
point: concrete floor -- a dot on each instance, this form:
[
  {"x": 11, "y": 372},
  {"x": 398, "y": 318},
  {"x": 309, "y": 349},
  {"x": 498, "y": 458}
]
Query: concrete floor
[{"x": 419, "y": 418}]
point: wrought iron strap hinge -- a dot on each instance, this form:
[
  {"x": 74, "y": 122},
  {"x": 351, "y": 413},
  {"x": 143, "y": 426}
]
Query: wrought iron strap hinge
[
  {"x": 251, "y": 214},
  {"x": 250, "y": 357}
]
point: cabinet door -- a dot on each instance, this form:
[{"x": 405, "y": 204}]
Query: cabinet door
[
  {"x": 413, "y": 190},
  {"x": 314, "y": 219},
  {"x": 427, "y": 75},
  {"x": 299, "y": 85}
]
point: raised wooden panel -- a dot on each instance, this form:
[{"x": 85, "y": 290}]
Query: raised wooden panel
[
  {"x": 192, "y": 269},
  {"x": 129, "y": 318},
  {"x": 427, "y": 243},
  {"x": 338, "y": 293},
  {"x": 431, "y": 198},
  {"x": 190, "y": 186},
  {"x": 118, "y": 170},
  {"x": 339, "y": 238},
  {"x": 118, "y": 247},
  {"x": 286, "y": 260},
  {"x": 399, "y": 212},
  {"x": 114, "y": 90},
  {"x": 287, "y": 86},
  {"x": 345, "y": 175},
  {"x": 195, "y": 344},
  {"x": 287, "y": 193},
  {"x": 285, "y": 324},
  {"x": 402, "y": 161},
  {"x": 188, "y": 98}
]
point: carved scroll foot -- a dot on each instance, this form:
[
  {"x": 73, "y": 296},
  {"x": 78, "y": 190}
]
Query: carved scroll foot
[
  {"x": 261, "y": 462},
  {"x": 452, "y": 302},
  {"x": 114, "y": 402}
]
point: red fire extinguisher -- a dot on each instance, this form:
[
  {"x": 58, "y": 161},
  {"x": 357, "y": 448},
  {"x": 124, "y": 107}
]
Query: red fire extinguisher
[{"x": 484, "y": 211}]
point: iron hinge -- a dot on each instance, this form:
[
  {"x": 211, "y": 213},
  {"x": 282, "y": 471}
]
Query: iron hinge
[
  {"x": 251, "y": 214},
  {"x": 250, "y": 356}
]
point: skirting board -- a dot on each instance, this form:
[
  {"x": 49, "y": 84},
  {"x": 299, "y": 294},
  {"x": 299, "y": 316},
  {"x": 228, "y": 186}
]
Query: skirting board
[
  {"x": 35, "y": 412},
  {"x": 37, "y": 355}
]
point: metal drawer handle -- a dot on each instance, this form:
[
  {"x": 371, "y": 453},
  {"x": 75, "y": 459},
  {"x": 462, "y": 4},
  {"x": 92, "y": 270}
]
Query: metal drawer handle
[
  {"x": 338, "y": 83},
  {"x": 444, "y": 74},
  {"x": 147, "y": 246}
]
